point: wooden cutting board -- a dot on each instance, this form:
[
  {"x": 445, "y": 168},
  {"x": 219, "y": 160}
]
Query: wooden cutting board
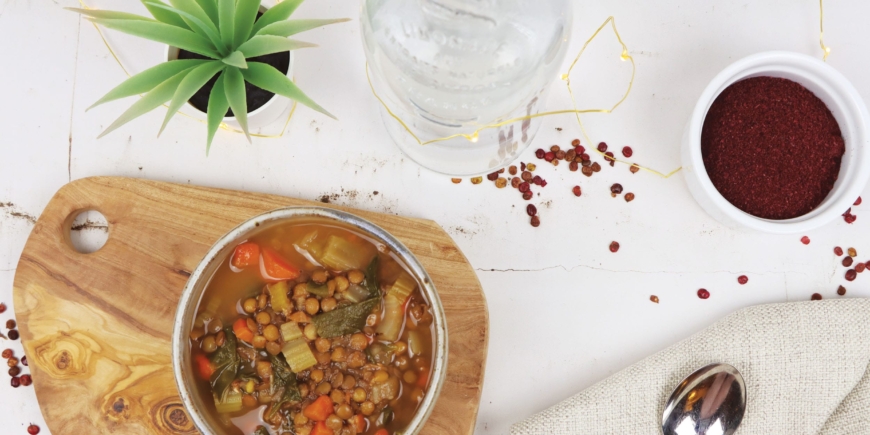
[{"x": 96, "y": 327}]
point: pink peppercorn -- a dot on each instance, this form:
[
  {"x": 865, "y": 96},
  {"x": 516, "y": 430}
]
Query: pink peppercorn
[
  {"x": 742, "y": 279},
  {"x": 627, "y": 152},
  {"x": 539, "y": 153},
  {"x": 857, "y": 201},
  {"x": 805, "y": 240},
  {"x": 703, "y": 293},
  {"x": 524, "y": 186},
  {"x": 549, "y": 156},
  {"x": 531, "y": 210},
  {"x": 838, "y": 251},
  {"x": 602, "y": 146},
  {"x": 576, "y": 191}
]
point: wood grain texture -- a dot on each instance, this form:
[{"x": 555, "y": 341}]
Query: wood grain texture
[{"x": 96, "y": 327}]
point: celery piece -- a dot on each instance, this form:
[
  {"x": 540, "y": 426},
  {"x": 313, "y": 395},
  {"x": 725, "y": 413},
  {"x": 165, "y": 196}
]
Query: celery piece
[
  {"x": 415, "y": 343},
  {"x": 345, "y": 320},
  {"x": 318, "y": 290},
  {"x": 290, "y": 331},
  {"x": 394, "y": 307},
  {"x": 356, "y": 293},
  {"x": 229, "y": 403},
  {"x": 312, "y": 244},
  {"x": 298, "y": 355},
  {"x": 341, "y": 254},
  {"x": 278, "y": 296}
]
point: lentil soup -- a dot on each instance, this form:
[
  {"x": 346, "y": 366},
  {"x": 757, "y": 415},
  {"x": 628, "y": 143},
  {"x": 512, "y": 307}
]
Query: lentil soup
[{"x": 312, "y": 328}]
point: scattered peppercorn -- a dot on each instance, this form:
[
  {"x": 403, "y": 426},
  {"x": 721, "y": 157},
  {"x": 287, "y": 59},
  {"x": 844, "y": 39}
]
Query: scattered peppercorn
[
  {"x": 524, "y": 186},
  {"x": 537, "y": 180},
  {"x": 614, "y": 246},
  {"x": 615, "y": 189},
  {"x": 852, "y": 252},
  {"x": 492, "y": 176},
  {"x": 850, "y": 218},
  {"x": 627, "y": 152},
  {"x": 857, "y": 202},
  {"x": 602, "y": 147},
  {"x": 7, "y": 353},
  {"x": 531, "y": 210},
  {"x": 596, "y": 167},
  {"x": 555, "y": 148},
  {"x": 860, "y": 267},
  {"x": 512, "y": 170},
  {"x": 456, "y": 180},
  {"x": 522, "y": 166},
  {"x": 501, "y": 182},
  {"x": 10, "y": 324},
  {"x": 629, "y": 197},
  {"x": 847, "y": 261},
  {"x": 560, "y": 155},
  {"x": 476, "y": 180},
  {"x": 26, "y": 380},
  {"x": 12, "y": 361},
  {"x": 838, "y": 251},
  {"x": 634, "y": 168},
  {"x": 573, "y": 166},
  {"x": 587, "y": 171},
  {"x": 742, "y": 279},
  {"x": 2, "y": 307},
  {"x": 527, "y": 195},
  {"x": 515, "y": 182},
  {"x": 570, "y": 155},
  {"x": 14, "y": 371},
  {"x": 24, "y": 360},
  {"x": 531, "y": 167},
  {"x": 703, "y": 293},
  {"x": 851, "y": 275},
  {"x": 536, "y": 221},
  {"x": 575, "y": 143},
  {"x": 526, "y": 176},
  {"x": 580, "y": 150},
  {"x": 15, "y": 382},
  {"x": 33, "y": 429},
  {"x": 654, "y": 299},
  {"x": 576, "y": 190},
  {"x": 816, "y": 297},
  {"x": 549, "y": 156},
  {"x": 539, "y": 153},
  {"x": 841, "y": 291},
  {"x": 610, "y": 158},
  {"x": 585, "y": 157},
  {"x": 13, "y": 335}
]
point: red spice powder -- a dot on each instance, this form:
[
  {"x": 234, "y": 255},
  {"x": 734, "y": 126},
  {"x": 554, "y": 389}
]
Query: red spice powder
[{"x": 771, "y": 147}]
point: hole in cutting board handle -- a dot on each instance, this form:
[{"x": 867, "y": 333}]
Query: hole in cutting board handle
[{"x": 87, "y": 231}]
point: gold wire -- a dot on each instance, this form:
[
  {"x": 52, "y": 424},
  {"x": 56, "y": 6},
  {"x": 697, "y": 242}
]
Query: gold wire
[
  {"x": 222, "y": 125},
  {"x": 825, "y": 48},
  {"x": 473, "y": 136}
]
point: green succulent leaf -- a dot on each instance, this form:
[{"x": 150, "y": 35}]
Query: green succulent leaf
[
  {"x": 236, "y": 59},
  {"x": 155, "y": 97},
  {"x": 210, "y": 8},
  {"x": 163, "y": 15},
  {"x": 195, "y": 8},
  {"x": 234, "y": 84},
  {"x": 148, "y": 79},
  {"x": 109, "y": 15},
  {"x": 291, "y": 27},
  {"x": 203, "y": 28},
  {"x": 217, "y": 109},
  {"x": 165, "y": 33},
  {"x": 195, "y": 79},
  {"x": 267, "y": 77},
  {"x": 246, "y": 14},
  {"x": 268, "y": 44},
  {"x": 227, "y": 15},
  {"x": 279, "y": 12}
]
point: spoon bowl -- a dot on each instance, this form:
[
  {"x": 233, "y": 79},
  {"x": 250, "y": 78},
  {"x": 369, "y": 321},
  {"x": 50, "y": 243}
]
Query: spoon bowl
[{"x": 710, "y": 401}]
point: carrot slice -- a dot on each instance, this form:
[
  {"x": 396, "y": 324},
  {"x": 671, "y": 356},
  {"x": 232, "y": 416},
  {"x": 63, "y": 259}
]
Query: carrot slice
[
  {"x": 246, "y": 254},
  {"x": 382, "y": 432},
  {"x": 423, "y": 378},
  {"x": 359, "y": 423},
  {"x": 240, "y": 328},
  {"x": 319, "y": 410},
  {"x": 321, "y": 429},
  {"x": 275, "y": 268},
  {"x": 204, "y": 366}
]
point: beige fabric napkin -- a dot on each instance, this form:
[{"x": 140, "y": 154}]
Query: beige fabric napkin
[{"x": 805, "y": 365}]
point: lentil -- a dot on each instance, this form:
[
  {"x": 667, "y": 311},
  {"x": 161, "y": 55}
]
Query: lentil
[
  {"x": 250, "y": 305},
  {"x": 805, "y": 240},
  {"x": 838, "y": 251},
  {"x": 841, "y": 291},
  {"x": 742, "y": 279},
  {"x": 629, "y": 197},
  {"x": 456, "y": 180},
  {"x": 816, "y": 297},
  {"x": 787, "y": 163},
  {"x": 703, "y": 293},
  {"x": 654, "y": 299},
  {"x": 614, "y": 246},
  {"x": 627, "y": 152},
  {"x": 531, "y": 210},
  {"x": 576, "y": 190},
  {"x": 476, "y": 180},
  {"x": 536, "y": 221}
]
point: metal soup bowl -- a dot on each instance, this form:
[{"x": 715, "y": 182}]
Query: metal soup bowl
[{"x": 204, "y": 420}]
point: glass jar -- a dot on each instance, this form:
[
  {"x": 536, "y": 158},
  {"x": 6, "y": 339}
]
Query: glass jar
[{"x": 449, "y": 67}]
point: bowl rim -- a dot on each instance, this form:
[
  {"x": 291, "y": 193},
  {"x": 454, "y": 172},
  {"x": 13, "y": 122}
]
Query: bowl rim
[
  {"x": 199, "y": 278},
  {"x": 851, "y": 106}
]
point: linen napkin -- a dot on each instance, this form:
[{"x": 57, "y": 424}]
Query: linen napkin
[{"x": 805, "y": 365}]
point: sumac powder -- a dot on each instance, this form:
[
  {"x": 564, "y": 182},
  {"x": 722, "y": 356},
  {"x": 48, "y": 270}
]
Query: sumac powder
[{"x": 771, "y": 147}]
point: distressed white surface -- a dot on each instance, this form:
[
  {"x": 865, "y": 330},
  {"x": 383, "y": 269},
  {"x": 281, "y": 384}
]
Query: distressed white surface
[{"x": 564, "y": 311}]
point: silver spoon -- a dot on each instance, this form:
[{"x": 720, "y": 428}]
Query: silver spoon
[{"x": 710, "y": 401}]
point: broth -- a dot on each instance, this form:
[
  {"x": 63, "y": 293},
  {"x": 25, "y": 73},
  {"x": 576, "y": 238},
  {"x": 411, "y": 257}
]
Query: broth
[{"x": 312, "y": 328}]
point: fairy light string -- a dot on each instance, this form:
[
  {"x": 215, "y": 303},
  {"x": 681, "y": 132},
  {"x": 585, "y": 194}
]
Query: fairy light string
[
  {"x": 223, "y": 126},
  {"x": 825, "y": 49}
]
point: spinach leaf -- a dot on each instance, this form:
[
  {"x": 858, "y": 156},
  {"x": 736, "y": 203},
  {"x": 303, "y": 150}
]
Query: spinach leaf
[
  {"x": 282, "y": 378},
  {"x": 226, "y": 364},
  {"x": 261, "y": 430},
  {"x": 372, "y": 278},
  {"x": 345, "y": 320}
]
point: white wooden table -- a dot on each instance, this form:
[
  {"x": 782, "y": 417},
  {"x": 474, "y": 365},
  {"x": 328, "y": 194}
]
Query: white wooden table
[{"x": 564, "y": 311}]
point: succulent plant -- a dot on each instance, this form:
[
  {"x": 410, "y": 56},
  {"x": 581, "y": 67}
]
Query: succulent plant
[{"x": 228, "y": 33}]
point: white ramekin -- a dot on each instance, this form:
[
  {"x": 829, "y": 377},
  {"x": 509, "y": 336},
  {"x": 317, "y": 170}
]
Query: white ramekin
[{"x": 834, "y": 90}]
